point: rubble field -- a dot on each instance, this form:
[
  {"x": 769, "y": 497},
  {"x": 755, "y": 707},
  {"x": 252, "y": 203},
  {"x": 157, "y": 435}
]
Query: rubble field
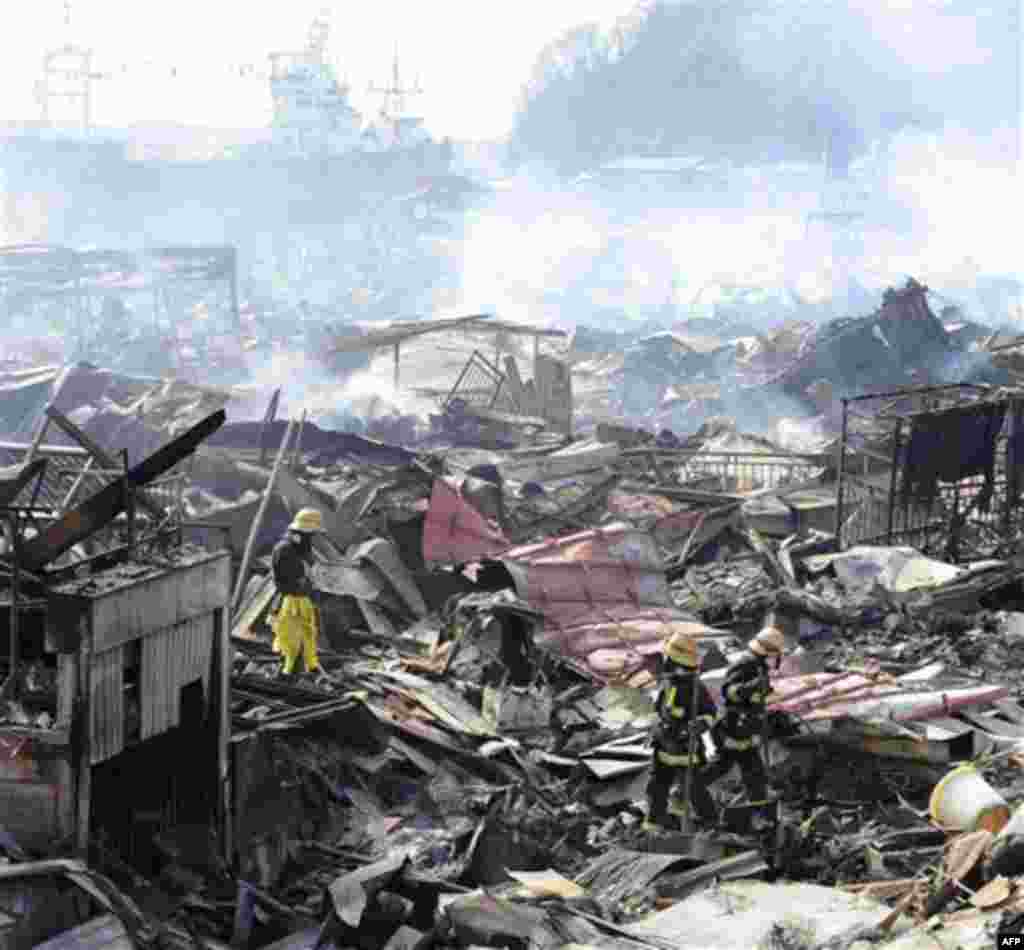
[{"x": 494, "y": 590}]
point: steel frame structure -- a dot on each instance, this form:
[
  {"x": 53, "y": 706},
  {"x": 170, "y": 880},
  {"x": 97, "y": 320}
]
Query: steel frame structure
[
  {"x": 33, "y": 274},
  {"x": 873, "y": 512}
]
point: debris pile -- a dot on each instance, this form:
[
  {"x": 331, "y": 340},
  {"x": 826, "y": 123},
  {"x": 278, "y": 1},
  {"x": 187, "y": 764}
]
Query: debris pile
[{"x": 464, "y": 762}]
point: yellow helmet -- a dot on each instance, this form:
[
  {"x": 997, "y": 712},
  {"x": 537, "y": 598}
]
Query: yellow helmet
[
  {"x": 769, "y": 642},
  {"x": 682, "y": 649},
  {"x": 307, "y": 521}
]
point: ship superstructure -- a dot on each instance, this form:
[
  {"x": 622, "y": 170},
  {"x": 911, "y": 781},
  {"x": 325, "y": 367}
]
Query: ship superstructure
[{"x": 312, "y": 113}]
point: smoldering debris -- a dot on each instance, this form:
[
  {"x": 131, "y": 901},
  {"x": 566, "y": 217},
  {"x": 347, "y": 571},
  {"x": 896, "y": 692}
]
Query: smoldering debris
[{"x": 494, "y": 590}]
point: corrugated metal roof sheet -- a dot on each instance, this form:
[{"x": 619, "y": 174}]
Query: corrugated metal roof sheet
[
  {"x": 383, "y": 555},
  {"x": 584, "y": 456},
  {"x": 454, "y": 532},
  {"x": 604, "y": 596},
  {"x": 822, "y": 696},
  {"x": 101, "y": 933}
]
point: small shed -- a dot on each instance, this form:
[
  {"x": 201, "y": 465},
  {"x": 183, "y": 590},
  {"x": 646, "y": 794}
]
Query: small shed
[{"x": 135, "y": 645}]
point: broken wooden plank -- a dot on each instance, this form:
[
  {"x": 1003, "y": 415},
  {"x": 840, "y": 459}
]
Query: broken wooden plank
[
  {"x": 243, "y": 571},
  {"x": 252, "y": 610},
  {"x": 991, "y": 724},
  {"x": 268, "y": 420},
  {"x": 1010, "y": 709}
]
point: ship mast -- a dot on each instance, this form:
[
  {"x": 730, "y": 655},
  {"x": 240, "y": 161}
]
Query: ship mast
[{"x": 396, "y": 96}]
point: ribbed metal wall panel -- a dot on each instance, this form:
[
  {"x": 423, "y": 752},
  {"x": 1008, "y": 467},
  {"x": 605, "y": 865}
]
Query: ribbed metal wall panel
[
  {"x": 172, "y": 658},
  {"x": 107, "y": 705},
  {"x": 150, "y": 681}
]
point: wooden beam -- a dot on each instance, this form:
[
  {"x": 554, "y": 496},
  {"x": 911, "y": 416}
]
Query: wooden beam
[
  {"x": 243, "y": 571},
  {"x": 268, "y": 419},
  {"x": 226, "y": 652},
  {"x": 298, "y": 442}
]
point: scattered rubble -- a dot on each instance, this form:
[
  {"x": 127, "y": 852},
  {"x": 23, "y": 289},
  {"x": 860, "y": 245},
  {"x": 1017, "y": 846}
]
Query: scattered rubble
[{"x": 493, "y": 598}]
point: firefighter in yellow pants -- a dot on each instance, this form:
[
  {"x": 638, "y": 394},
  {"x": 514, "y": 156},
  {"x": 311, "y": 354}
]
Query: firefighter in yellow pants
[
  {"x": 296, "y": 631},
  {"x": 296, "y": 620}
]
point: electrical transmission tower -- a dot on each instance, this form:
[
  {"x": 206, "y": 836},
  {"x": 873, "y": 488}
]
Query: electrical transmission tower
[{"x": 68, "y": 76}]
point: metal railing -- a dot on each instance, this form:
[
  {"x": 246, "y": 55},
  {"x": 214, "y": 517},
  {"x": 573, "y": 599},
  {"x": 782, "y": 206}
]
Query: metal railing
[{"x": 732, "y": 472}]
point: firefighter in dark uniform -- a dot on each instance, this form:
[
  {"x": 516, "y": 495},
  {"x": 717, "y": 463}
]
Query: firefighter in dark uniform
[
  {"x": 738, "y": 731},
  {"x": 672, "y": 736}
]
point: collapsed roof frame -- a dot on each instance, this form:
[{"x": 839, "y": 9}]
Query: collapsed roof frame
[
  {"x": 39, "y": 272},
  {"x": 870, "y": 512},
  {"x": 398, "y": 332}
]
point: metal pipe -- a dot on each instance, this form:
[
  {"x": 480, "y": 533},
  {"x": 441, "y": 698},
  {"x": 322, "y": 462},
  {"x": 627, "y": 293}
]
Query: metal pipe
[
  {"x": 896, "y": 438},
  {"x": 1011, "y": 454},
  {"x": 268, "y": 421},
  {"x": 11, "y": 521},
  {"x": 841, "y": 475},
  {"x": 129, "y": 502}
]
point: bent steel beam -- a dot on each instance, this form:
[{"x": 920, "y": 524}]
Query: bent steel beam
[{"x": 100, "y": 509}]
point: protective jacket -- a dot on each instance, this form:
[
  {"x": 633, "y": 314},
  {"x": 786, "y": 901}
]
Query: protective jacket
[
  {"x": 744, "y": 693},
  {"x": 674, "y": 704},
  {"x": 289, "y": 564}
]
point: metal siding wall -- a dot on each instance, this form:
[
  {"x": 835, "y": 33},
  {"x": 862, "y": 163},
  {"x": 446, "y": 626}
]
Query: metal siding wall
[
  {"x": 107, "y": 705},
  {"x": 151, "y": 675},
  {"x": 171, "y": 658},
  {"x": 168, "y": 695}
]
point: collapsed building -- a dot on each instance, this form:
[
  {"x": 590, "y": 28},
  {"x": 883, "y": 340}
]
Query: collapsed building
[{"x": 494, "y": 589}]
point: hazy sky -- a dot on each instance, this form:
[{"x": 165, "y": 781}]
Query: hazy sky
[{"x": 472, "y": 57}]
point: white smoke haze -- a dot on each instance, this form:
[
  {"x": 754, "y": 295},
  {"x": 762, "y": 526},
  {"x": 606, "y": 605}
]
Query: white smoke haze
[
  {"x": 327, "y": 398},
  {"x": 617, "y": 251},
  {"x": 922, "y": 202}
]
